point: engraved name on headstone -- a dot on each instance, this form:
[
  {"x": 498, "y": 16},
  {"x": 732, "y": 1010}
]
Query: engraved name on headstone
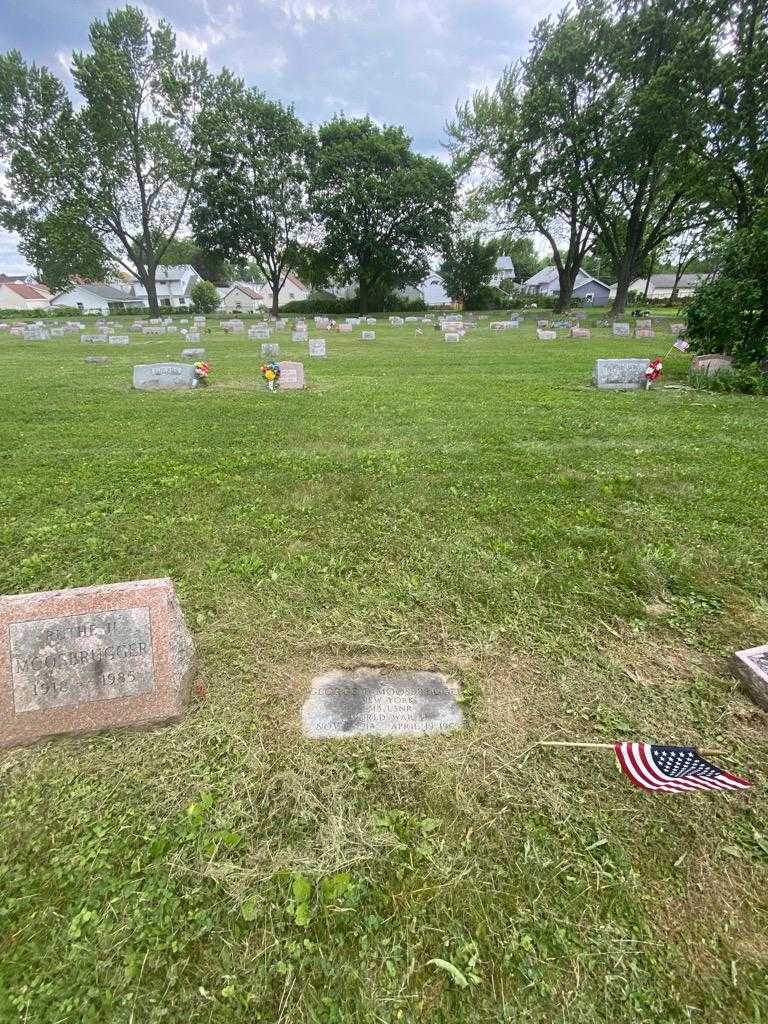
[
  {"x": 76, "y": 661},
  {"x": 367, "y": 701},
  {"x": 620, "y": 374},
  {"x": 164, "y": 376}
]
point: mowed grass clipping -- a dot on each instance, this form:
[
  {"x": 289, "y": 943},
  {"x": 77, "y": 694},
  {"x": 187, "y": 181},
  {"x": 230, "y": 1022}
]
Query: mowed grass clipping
[{"x": 582, "y": 562}]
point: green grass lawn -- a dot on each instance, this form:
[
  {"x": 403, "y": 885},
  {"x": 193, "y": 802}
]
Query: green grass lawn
[{"x": 582, "y": 562}]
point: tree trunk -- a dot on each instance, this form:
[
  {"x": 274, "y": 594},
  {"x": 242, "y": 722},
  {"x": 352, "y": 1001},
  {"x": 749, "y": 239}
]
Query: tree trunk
[
  {"x": 363, "y": 296},
  {"x": 648, "y": 281},
  {"x": 622, "y": 288},
  {"x": 567, "y": 280},
  {"x": 274, "y": 287},
  {"x": 151, "y": 285}
]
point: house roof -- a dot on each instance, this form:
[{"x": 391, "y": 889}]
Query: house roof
[
  {"x": 548, "y": 274},
  {"x": 295, "y": 281},
  {"x": 104, "y": 291},
  {"x": 173, "y": 271},
  {"x": 668, "y": 280},
  {"x": 246, "y": 289},
  {"x": 24, "y": 291},
  {"x": 505, "y": 263}
]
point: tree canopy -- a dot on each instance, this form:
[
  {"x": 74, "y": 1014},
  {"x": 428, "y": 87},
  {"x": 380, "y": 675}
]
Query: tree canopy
[
  {"x": 381, "y": 206},
  {"x": 123, "y": 162}
]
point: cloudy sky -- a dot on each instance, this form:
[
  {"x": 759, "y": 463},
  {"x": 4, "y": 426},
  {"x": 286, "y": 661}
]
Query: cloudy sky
[{"x": 401, "y": 61}]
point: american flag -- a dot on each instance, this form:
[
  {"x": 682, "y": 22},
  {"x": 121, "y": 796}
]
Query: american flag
[
  {"x": 673, "y": 769},
  {"x": 681, "y": 344}
]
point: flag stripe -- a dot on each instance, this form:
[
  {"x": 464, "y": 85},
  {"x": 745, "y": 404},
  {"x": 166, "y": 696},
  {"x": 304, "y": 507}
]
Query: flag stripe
[{"x": 647, "y": 765}]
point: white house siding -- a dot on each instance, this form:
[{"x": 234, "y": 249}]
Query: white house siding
[{"x": 9, "y": 299}]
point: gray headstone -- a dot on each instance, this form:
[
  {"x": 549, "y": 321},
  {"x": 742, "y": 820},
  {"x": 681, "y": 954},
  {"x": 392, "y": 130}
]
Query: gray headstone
[
  {"x": 620, "y": 374},
  {"x": 164, "y": 376},
  {"x": 98, "y": 360},
  {"x": 193, "y": 353},
  {"x": 119, "y": 339},
  {"x": 317, "y": 347},
  {"x": 366, "y": 701},
  {"x": 270, "y": 348},
  {"x": 621, "y": 330},
  {"x": 752, "y": 666}
]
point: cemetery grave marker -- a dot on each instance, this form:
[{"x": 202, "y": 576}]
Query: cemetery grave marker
[
  {"x": 317, "y": 347},
  {"x": 119, "y": 339},
  {"x": 91, "y": 658},
  {"x": 369, "y": 335},
  {"x": 621, "y": 330},
  {"x": 193, "y": 353},
  {"x": 371, "y": 702},
  {"x": 164, "y": 376},
  {"x": 546, "y": 335},
  {"x": 752, "y": 666},
  {"x": 270, "y": 348},
  {"x": 100, "y": 360},
  {"x": 643, "y": 332},
  {"x": 580, "y": 332},
  {"x": 452, "y": 336},
  {"x": 291, "y": 376},
  {"x": 620, "y": 374}
]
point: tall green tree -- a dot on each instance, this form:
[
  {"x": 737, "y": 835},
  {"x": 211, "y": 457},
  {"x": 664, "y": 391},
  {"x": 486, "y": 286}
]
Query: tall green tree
[
  {"x": 737, "y": 151},
  {"x": 520, "y": 138},
  {"x": 61, "y": 247},
  {"x": 381, "y": 206},
  {"x": 467, "y": 268},
  {"x": 251, "y": 202},
  {"x": 124, "y": 160},
  {"x": 647, "y": 70}
]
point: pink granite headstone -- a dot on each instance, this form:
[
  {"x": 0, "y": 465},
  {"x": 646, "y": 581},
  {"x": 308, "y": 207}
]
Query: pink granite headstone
[
  {"x": 92, "y": 658},
  {"x": 291, "y": 376}
]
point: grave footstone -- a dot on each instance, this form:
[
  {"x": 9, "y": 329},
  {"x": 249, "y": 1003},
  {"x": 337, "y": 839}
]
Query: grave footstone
[
  {"x": 164, "y": 376},
  {"x": 291, "y": 376},
  {"x": 369, "y": 335},
  {"x": 620, "y": 374},
  {"x": 711, "y": 364},
  {"x": 752, "y": 667},
  {"x": 365, "y": 701},
  {"x": 98, "y": 360},
  {"x": 193, "y": 353},
  {"x": 92, "y": 658}
]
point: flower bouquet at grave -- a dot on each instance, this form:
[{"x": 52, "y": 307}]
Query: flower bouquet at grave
[
  {"x": 201, "y": 373},
  {"x": 653, "y": 371},
  {"x": 271, "y": 374}
]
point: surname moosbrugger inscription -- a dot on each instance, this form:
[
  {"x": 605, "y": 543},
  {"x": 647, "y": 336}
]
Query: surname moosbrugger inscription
[
  {"x": 385, "y": 703},
  {"x": 73, "y": 659}
]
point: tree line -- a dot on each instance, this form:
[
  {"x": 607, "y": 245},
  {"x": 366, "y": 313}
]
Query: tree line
[
  {"x": 630, "y": 133},
  {"x": 159, "y": 143}
]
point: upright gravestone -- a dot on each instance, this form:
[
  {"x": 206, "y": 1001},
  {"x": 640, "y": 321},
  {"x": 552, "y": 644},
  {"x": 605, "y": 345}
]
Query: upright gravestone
[
  {"x": 621, "y": 330},
  {"x": 580, "y": 332},
  {"x": 78, "y": 661},
  {"x": 164, "y": 376},
  {"x": 119, "y": 339},
  {"x": 317, "y": 347},
  {"x": 366, "y": 701},
  {"x": 369, "y": 335},
  {"x": 452, "y": 336},
  {"x": 546, "y": 335},
  {"x": 270, "y": 348},
  {"x": 291, "y": 376},
  {"x": 620, "y": 374},
  {"x": 752, "y": 666}
]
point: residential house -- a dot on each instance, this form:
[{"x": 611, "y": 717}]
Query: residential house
[
  {"x": 589, "y": 289},
  {"x": 433, "y": 291},
  {"x": 174, "y": 284},
  {"x": 293, "y": 290},
  {"x": 660, "y": 286},
  {"x": 505, "y": 271},
  {"x": 20, "y": 295},
  {"x": 97, "y": 298},
  {"x": 241, "y": 296}
]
